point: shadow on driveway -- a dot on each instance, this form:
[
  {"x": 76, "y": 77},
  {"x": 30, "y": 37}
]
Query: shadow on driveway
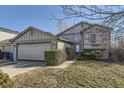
[{"x": 20, "y": 67}]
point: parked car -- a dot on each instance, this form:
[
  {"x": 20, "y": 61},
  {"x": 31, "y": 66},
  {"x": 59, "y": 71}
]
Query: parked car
[
  {"x": 6, "y": 55},
  {"x": 1, "y": 54}
]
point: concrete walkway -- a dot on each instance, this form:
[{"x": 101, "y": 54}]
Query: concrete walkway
[{"x": 64, "y": 65}]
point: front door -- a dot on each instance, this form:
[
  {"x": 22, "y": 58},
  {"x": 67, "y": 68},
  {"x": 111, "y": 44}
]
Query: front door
[{"x": 77, "y": 48}]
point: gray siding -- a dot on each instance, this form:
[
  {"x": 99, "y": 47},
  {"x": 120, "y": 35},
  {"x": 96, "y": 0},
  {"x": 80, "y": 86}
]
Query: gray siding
[
  {"x": 33, "y": 35},
  {"x": 30, "y": 36},
  {"x": 70, "y": 37},
  {"x": 85, "y": 38},
  {"x": 104, "y": 38}
]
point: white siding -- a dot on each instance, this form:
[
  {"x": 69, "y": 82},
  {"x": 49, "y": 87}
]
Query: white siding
[
  {"x": 7, "y": 48},
  {"x": 6, "y": 35},
  {"x": 63, "y": 45}
]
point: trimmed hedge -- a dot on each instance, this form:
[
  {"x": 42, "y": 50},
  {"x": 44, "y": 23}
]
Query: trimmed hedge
[
  {"x": 69, "y": 52},
  {"x": 5, "y": 81},
  {"x": 89, "y": 54},
  {"x": 54, "y": 57}
]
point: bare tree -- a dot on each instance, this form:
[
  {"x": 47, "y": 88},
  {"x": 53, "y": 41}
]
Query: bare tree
[
  {"x": 61, "y": 25},
  {"x": 111, "y": 16},
  {"x": 107, "y": 15}
]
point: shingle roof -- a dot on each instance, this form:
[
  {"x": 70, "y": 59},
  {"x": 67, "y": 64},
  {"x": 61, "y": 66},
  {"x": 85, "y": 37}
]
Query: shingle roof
[
  {"x": 65, "y": 40},
  {"x": 30, "y": 27},
  {"x": 8, "y": 30},
  {"x": 82, "y": 22}
]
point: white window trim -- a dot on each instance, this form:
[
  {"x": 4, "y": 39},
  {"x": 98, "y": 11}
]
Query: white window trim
[
  {"x": 77, "y": 37},
  {"x": 97, "y": 38}
]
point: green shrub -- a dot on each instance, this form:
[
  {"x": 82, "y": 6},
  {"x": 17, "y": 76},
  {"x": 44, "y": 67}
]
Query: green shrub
[
  {"x": 89, "y": 54},
  {"x": 54, "y": 57},
  {"x": 5, "y": 81},
  {"x": 69, "y": 52}
]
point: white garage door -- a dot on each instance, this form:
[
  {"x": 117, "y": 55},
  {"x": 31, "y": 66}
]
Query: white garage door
[{"x": 32, "y": 51}]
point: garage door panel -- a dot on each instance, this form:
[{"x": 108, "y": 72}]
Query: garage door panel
[{"x": 32, "y": 51}]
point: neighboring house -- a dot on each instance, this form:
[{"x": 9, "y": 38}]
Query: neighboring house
[
  {"x": 30, "y": 44},
  {"x": 88, "y": 36},
  {"x": 5, "y": 35}
]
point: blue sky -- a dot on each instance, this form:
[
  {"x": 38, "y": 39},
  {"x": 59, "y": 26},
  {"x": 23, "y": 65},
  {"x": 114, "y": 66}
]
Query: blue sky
[{"x": 20, "y": 17}]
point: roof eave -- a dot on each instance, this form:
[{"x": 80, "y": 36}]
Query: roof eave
[
  {"x": 82, "y": 22},
  {"x": 64, "y": 40},
  {"x": 30, "y": 27}
]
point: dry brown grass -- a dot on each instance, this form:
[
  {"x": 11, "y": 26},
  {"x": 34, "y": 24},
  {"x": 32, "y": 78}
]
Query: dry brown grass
[{"x": 79, "y": 74}]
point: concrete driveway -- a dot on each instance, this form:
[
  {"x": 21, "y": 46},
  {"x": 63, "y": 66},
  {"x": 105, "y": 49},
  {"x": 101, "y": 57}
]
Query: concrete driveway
[{"x": 15, "y": 69}]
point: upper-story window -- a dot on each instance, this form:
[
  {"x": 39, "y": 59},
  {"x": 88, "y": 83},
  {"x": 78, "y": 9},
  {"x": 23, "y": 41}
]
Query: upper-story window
[
  {"x": 77, "y": 37},
  {"x": 95, "y": 38}
]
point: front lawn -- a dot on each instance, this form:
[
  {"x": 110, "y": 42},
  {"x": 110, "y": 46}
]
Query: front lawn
[{"x": 79, "y": 74}]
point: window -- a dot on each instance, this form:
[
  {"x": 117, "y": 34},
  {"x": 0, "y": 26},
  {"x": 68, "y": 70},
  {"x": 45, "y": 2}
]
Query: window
[
  {"x": 53, "y": 45},
  {"x": 95, "y": 38},
  {"x": 77, "y": 48},
  {"x": 77, "y": 37}
]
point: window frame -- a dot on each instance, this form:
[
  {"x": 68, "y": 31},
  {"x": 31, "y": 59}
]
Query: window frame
[
  {"x": 77, "y": 37},
  {"x": 77, "y": 48},
  {"x": 96, "y": 38},
  {"x": 53, "y": 45}
]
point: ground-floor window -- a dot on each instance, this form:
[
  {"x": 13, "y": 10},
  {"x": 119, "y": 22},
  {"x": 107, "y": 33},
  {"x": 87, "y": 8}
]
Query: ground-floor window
[
  {"x": 53, "y": 45},
  {"x": 77, "y": 48}
]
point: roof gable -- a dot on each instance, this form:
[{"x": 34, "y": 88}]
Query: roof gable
[
  {"x": 29, "y": 29},
  {"x": 86, "y": 28}
]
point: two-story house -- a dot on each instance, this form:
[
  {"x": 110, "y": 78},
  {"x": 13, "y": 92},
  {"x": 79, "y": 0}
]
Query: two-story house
[
  {"x": 88, "y": 36},
  {"x": 30, "y": 44}
]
